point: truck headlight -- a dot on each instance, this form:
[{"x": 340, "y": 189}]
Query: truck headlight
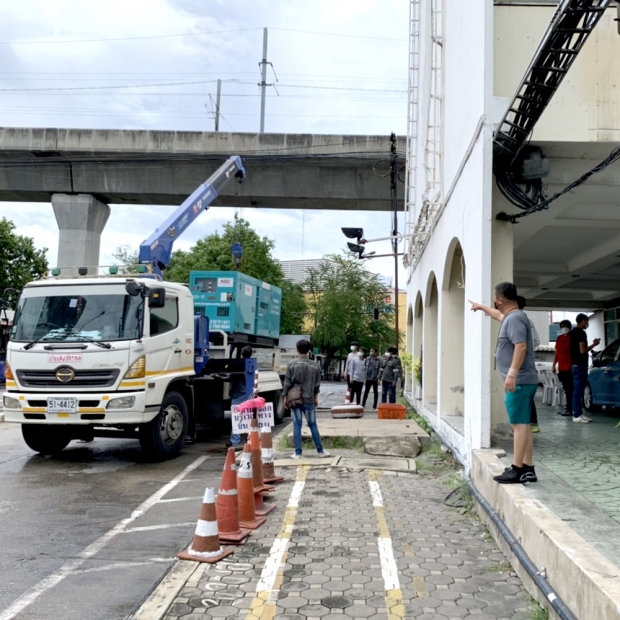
[
  {"x": 125, "y": 402},
  {"x": 8, "y": 402},
  {"x": 137, "y": 370}
]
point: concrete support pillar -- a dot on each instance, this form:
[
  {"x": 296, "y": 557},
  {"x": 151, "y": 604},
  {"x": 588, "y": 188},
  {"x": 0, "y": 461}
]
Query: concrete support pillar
[
  {"x": 429, "y": 362},
  {"x": 81, "y": 219},
  {"x": 502, "y": 270}
]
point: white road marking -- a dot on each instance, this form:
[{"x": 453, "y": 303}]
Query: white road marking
[
  {"x": 180, "y": 499},
  {"x": 389, "y": 569},
  {"x": 375, "y": 492},
  {"x": 298, "y": 488},
  {"x": 64, "y": 571},
  {"x": 117, "y": 565},
  {"x": 163, "y": 526}
]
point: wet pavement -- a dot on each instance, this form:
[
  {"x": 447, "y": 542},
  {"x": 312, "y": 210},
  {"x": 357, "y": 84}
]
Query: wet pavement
[
  {"x": 357, "y": 544},
  {"x": 578, "y": 467}
]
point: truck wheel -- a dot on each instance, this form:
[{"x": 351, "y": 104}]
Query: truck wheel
[
  {"x": 162, "y": 438},
  {"x": 46, "y": 439},
  {"x": 279, "y": 410}
]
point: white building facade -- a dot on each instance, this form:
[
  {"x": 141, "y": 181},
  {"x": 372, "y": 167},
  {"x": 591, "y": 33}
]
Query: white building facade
[{"x": 467, "y": 59}]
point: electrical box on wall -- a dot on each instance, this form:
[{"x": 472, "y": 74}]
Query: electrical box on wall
[{"x": 237, "y": 303}]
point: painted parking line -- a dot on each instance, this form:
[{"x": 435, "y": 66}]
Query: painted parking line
[
  {"x": 263, "y": 605},
  {"x": 393, "y": 594},
  {"x": 67, "y": 569}
]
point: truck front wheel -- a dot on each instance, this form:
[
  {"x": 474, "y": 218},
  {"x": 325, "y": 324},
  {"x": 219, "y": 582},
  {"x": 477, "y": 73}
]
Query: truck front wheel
[
  {"x": 46, "y": 439},
  {"x": 162, "y": 438}
]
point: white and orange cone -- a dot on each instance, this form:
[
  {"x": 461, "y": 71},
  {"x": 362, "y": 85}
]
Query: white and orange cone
[
  {"x": 347, "y": 398},
  {"x": 227, "y": 505},
  {"x": 205, "y": 546},
  {"x": 260, "y": 488},
  {"x": 269, "y": 471},
  {"x": 245, "y": 486}
]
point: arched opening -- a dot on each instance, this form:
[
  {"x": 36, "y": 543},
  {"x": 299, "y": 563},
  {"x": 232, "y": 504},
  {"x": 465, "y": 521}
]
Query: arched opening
[
  {"x": 416, "y": 348},
  {"x": 408, "y": 382},
  {"x": 429, "y": 358},
  {"x": 452, "y": 360}
]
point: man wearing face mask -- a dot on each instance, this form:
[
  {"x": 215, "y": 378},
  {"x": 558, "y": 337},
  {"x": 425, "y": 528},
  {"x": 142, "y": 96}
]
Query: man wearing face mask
[
  {"x": 562, "y": 364},
  {"x": 389, "y": 374},
  {"x": 579, "y": 350},
  {"x": 356, "y": 370},
  {"x": 352, "y": 355}
]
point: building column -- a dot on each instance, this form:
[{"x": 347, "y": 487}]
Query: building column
[
  {"x": 502, "y": 270},
  {"x": 81, "y": 219}
]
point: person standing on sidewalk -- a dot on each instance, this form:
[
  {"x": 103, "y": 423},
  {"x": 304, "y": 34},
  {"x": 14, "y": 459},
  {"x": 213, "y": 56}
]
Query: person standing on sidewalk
[
  {"x": 352, "y": 355},
  {"x": 514, "y": 357},
  {"x": 562, "y": 364},
  {"x": 306, "y": 374},
  {"x": 238, "y": 394},
  {"x": 494, "y": 313},
  {"x": 579, "y": 350},
  {"x": 357, "y": 375},
  {"x": 389, "y": 374},
  {"x": 371, "y": 369}
]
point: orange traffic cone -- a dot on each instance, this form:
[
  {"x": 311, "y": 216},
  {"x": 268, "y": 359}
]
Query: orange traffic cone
[
  {"x": 245, "y": 486},
  {"x": 227, "y": 505},
  {"x": 257, "y": 460},
  {"x": 269, "y": 472},
  {"x": 260, "y": 488},
  {"x": 205, "y": 546},
  {"x": 347, "y": 398}
]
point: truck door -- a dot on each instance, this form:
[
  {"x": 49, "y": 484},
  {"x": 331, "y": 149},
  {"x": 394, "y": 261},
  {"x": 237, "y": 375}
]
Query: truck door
[{"x": 166, "y": 347}]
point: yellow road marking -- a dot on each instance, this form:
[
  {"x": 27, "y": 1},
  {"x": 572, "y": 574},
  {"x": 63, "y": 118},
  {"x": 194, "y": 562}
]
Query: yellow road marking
[
  {"x": 263, "y": 606},
  {"x": 419, "y": 586}
]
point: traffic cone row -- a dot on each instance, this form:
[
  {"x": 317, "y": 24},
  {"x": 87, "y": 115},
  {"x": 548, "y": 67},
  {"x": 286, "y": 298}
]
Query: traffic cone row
[{"x": 239, "y": 507}]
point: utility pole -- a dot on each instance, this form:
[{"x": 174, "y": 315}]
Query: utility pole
[
  {"x": 217, "y": 105},
  {"x": 393, "y": 195},
  {"x": 263, "y": 83}
]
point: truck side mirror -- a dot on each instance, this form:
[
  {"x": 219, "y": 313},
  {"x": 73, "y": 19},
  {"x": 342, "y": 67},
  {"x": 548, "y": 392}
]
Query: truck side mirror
[
  {"x": 157, "y": 297},
  {"x": 134, "y": 288}
]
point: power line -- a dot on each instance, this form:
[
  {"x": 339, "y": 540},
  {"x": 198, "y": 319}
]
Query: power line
[
  {"x": 335, "y": 34},
  {"x": 156, "y": 36}
]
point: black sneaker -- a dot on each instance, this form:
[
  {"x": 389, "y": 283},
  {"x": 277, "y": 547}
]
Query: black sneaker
[
  {"x": 512, "y": 475},
  {"x": 566, "y": 413},
  {"x": 529, "y": 474}
]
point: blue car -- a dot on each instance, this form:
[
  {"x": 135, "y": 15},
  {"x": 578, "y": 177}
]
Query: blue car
[{"x": 603, "y": 386}]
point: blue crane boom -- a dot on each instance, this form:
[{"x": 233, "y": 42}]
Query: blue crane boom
[{"x": 157, "y": 249}]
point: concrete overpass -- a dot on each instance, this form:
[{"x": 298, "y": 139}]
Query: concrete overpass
[{"x": 82, "y": 171}]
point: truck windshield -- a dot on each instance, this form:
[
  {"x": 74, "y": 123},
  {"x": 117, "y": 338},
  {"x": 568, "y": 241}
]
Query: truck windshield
[{"x": 62, "y": 316}]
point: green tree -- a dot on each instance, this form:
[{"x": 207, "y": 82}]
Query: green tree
[
  {"x": 127, "y": 258},
  {"x": 214, "y": 253},
  {"x": 343, "y": 296},
  {"x": 20, "y": 261}
]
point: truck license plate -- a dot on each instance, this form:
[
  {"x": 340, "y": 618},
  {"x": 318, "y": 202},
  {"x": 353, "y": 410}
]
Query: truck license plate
[{"x": 62, "y": 405}]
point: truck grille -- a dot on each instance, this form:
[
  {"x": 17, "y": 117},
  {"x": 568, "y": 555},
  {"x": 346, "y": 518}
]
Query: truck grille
[{"x": 82, "y": 379}]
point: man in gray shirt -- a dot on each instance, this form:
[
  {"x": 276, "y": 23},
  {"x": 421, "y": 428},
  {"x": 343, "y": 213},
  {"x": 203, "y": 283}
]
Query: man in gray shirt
[
  {"x": 514, "y": 358},
  {"x": 305, "y": 373}
]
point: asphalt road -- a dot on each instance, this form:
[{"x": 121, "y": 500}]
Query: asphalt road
[{"x": 86, "y": 535}]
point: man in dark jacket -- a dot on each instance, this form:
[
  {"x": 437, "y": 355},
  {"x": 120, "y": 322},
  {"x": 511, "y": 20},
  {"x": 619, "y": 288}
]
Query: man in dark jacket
[
  {"x": 372, "y": 366},
  {"x": 303, "y": 372},
  {"x": 390, "y": 372}
]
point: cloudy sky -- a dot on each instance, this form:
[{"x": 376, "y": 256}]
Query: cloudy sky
[{"x": 340, "y": 67}]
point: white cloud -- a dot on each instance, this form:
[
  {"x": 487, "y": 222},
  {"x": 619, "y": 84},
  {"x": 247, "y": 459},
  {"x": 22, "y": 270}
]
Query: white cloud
[{"x": 299, "y": 58}]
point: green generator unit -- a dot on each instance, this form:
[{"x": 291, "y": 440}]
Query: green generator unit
[{"x": 237, "y": 303}]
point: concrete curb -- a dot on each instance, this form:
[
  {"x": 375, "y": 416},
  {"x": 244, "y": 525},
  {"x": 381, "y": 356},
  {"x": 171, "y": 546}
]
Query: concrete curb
[
  {"x": 587, "y": 582},
  {"x": 163, "y": 596}
]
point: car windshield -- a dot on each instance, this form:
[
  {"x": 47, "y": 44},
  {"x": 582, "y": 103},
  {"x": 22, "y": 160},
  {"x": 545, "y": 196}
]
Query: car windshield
[{"x": 72, "y": 314}]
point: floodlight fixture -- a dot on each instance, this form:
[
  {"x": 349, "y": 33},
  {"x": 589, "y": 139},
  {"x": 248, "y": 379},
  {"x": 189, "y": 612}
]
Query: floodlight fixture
[
  {"x": 353, "y": 233},
  {"x": 356, "y": 249}
]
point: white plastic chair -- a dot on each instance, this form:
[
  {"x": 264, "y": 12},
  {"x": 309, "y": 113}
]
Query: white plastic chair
[
  {"x": 548, "y": 388},
  {"x": 558, "y": 397}
]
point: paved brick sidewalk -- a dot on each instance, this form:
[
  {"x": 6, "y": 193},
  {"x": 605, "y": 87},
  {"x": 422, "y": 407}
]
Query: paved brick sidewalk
[{"x": 364, "y": 544}]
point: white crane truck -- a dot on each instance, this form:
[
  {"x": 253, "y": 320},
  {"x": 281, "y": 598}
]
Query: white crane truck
[{"x": 132, "y": 355}]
